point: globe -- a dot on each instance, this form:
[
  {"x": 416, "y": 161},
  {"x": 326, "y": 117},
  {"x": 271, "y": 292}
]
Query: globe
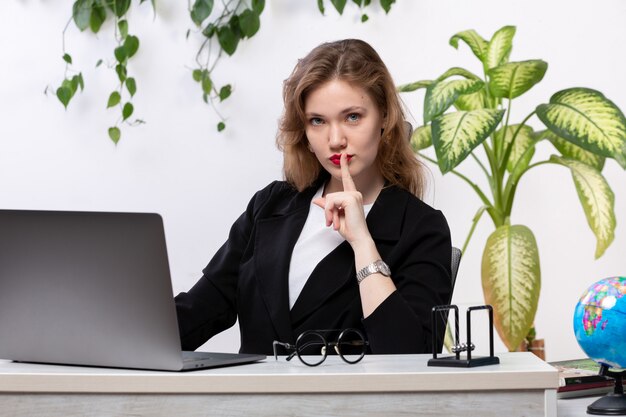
[{"x": 600, "y": 322}]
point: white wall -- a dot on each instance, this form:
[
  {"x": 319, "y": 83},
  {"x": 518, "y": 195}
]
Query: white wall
[{"x": 200, "y": 181}]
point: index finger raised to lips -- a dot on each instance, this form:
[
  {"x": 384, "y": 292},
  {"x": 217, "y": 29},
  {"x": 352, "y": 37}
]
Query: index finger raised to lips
[{"x": 346, "y": 178}]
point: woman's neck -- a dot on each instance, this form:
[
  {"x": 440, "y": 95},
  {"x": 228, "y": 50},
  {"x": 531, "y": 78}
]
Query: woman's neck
[{"x": 368, "y": 190}]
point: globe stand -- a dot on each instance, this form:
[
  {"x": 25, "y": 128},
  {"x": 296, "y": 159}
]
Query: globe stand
[{"x": 613, "y": 404}]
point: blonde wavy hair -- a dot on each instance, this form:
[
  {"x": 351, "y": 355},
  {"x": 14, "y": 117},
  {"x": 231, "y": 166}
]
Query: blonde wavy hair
[{"x": 356, "y": 62}]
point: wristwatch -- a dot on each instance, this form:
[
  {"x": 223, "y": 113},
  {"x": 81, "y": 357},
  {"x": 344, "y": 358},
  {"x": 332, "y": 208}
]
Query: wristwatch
[{"x": 374, "y": 267}]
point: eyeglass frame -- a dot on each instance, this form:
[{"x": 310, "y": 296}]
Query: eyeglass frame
[{"x": 320, "y": 333}]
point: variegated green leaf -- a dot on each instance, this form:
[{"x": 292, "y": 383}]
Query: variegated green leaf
[
  {"x": 569, "y": 150},
  {"x": 511, "y": 280},
  {"x": 421, "y": 138},
  {"x": 440, "y": 95},
  {"x": 523, "y": 141},
  {"x": 499, "y": 47},
  {"x": 515, "y": 78},
  {"x": 588, "y": 119},
  {"x": 407, "y": 88},
  {"x": 473, "y": 101},
  {"x": 597, "y": 199},
  {"x": 456, "y": 134},
  {"x": 460, "y": 72},
  {"x": 476, "y": 43}
]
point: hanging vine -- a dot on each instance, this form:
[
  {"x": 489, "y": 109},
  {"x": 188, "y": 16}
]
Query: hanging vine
[{"x": 237, "y": 21}]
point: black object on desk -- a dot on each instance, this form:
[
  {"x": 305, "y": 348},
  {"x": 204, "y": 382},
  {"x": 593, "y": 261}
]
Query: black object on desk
[
  {"x": 613, "y": 404},
  {"x": 456, "y": 361}
]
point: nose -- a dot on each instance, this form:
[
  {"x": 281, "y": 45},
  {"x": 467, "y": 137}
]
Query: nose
[{"x": 336, "y": 137}]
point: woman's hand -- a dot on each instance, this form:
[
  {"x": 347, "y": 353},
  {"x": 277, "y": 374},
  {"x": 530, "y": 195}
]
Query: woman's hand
[{"x": 344, "y": 209}]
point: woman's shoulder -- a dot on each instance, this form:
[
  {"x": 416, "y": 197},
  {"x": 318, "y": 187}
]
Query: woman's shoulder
[
  {"x": 412, "y": 202},
  {"x": 279, "y": 197}
]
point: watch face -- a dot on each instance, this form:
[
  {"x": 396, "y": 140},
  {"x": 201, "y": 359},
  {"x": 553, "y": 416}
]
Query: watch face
[{"x": 383, "y": 268}]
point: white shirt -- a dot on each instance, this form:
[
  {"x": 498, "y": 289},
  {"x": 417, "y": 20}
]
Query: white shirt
[{"x": 315, "y": 242}]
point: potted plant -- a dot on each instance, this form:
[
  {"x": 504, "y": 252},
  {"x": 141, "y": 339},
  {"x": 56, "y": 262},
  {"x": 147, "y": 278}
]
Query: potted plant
[{"x": 466, "y": 116}]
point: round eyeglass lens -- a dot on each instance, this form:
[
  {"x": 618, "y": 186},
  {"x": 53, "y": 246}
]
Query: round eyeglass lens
[
  {"x": 351, "y": 345},
  {"x": 311, "y": 348}
]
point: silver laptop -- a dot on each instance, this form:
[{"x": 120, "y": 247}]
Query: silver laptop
[{"x": 85, "y": 288}]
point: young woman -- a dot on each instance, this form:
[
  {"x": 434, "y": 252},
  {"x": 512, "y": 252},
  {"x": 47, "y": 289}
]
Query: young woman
[{"x": 344, "y": 241}]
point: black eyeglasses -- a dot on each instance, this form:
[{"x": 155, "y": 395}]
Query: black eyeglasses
[{"x": 312, "y": 346}]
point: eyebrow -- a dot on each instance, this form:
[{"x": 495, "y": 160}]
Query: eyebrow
[{"x": 348, "y": 110}]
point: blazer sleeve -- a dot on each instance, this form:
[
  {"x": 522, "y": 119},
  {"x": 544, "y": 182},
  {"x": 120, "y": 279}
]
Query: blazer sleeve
[
  {"x": 421, "y": 273},
  {"x": 210, "y": 307}
]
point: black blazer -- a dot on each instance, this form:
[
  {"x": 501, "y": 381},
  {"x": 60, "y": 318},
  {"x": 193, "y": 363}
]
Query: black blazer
[{"x": 247, "y": 279}]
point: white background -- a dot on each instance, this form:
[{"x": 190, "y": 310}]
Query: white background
[{"x": 200, "y": 181}]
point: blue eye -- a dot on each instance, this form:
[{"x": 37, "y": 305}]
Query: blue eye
[
  {"x": 353, "y": 117},
  {"x": 316, "y": 121}
]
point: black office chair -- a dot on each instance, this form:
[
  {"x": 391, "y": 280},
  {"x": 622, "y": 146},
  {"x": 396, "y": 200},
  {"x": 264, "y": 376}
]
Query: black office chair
[{"x": 456, "y": 260}]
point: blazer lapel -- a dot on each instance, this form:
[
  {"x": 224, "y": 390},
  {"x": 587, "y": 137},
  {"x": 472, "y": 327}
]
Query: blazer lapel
[
  {"x": 337, "y": 269},
  {"x": 275, "y": 238}
]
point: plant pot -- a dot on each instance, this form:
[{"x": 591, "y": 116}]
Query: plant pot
[{"x": 537, "y": 346}]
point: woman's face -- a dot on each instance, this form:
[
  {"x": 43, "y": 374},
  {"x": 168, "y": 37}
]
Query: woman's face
[{"x": 343, "y": 118}]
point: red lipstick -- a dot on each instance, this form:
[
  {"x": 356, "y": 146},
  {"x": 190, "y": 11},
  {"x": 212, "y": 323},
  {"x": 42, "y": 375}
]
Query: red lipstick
[{"x": 336, "y": 159}]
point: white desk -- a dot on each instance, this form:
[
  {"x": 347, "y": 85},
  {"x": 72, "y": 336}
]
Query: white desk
[{"x": 380, "y": 385}]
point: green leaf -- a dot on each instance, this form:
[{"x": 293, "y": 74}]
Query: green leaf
[
  {"x": 571, "y": 151},
  {"x": 386, "y": 4},
  {"x": 120, "y": 69},
  {"x": 233, "y": 23},
  {"x": 209, "y": 30},
  {"x": 201, "y": 10},
  {"x": 515, "y": 78},
  {"x": 119, "y": 7},
  {"x": 71, "y": 85},
  {"x": 131, "y": 86},
  {"x": 131, "y": 45},
  {"x": 421, "y": 138},
  {"x": 197, "y": 75},
  {"x": 458, "y": 71},
  {"x": 364, "y": 18},
  {"x": 258, "y": 6},
  {"x": 225, "y": 92},
  {"x": 127, "y": 111},
  {"x": 523, "y": 141},
  {"x": 455, "y": 135},
  {"x": 477, "y": 44},
  {"x": 588, "y": 119},
  {"x": 67, "y": 58},
  {"x": 511, "y": 279},
  {"x": 249, "y": 23},
  {"x": 79, "y": 80},
  {"x": 114, "y": 99},
  {"x": 597, "y": 199},
  {"x": 339, "y": 5},
  {"x": 97, "y": 18},
  {"x": 115, "y": 134},
  {"x": 206, "y": 82},
  {"x": 120, "y": 54},
  {"x": 64, "y": 95},
  {"x": 472, "y": 101},
  {"x": 81, "y": 13},
  {"x": 499, "y": 47},
  {"x": 98, "y": 63},
  {"x": 440, "y": 95},
  {"x": 406, "y": 88},
  {"x": 221, "y": 126},
  {"x": 320, "y": 6},
  {"x": 123, "y": 27},
  {"x": 228, "y": 39}
]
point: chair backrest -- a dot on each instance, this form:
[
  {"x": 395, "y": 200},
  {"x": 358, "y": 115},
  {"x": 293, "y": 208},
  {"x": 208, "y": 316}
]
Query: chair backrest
[{"x": 456, "y": 260}]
